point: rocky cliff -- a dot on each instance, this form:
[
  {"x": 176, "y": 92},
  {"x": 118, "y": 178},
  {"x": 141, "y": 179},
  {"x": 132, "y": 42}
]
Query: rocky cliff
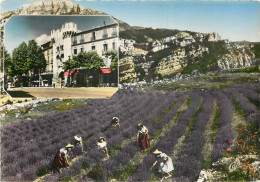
[
  {"x": 185, "y": 51},
  {"x": 237, "y": 58}
]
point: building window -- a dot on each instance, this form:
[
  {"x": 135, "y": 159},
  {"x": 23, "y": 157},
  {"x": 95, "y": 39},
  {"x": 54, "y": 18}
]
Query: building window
[
  {"x": 61, "y": 47},
  {"x": 114, "y": 45},
  {"x": 93, "y": 48},
  {"x": 75, "y": 51},
  {"x": 81, "y": 38},
  {"x": 93, "y": 36},
  {"x": 105, "y": 47},
  {"x": 81, "y": 49},
  {"x": 62, "y": 55},
  {"x": 57, "y": 48},
  {"x": 114, "y": 33},
  {"x": 105, "y": 33}
]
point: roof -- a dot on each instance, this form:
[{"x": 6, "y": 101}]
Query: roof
[{"x": 96, "y": 29}]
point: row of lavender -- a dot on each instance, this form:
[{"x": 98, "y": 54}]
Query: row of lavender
[
  {"x": 35, "y": 142},
  {"x": 115, "y": 136},
  {"x": 241, "y": 94},
  {"x": 188, "y": 164}
]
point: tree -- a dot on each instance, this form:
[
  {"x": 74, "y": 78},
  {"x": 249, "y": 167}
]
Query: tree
[
  {"x": 27, "y": 59},
  {"x": 36, "y": 59},
  {"x": 92, "y": 60},
  {"x": 114, "y": 62},
  {"x": 7, "y": 60},
  {"x": 69, "y": 65},
  {"x": 19, "y": 64}
]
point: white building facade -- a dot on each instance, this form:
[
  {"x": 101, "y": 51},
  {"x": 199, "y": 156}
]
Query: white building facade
[{"x": 68, "y": 41}]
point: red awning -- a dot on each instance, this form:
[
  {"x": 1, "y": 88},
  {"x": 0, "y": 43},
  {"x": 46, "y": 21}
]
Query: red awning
[
  {"x": 104, "y": 71},
  {"x": 71, "y": 72}
]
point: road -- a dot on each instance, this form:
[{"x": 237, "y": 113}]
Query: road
[{"x": 82, "y": 92}]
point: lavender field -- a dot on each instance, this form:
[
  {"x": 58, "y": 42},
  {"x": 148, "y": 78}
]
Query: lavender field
[{"x": 176, "y": 123}]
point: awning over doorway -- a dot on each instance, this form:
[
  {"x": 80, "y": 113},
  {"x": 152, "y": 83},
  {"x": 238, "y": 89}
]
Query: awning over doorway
[
  {"x": 104, "y": 71},
  {"x": 70, "y": 73}
]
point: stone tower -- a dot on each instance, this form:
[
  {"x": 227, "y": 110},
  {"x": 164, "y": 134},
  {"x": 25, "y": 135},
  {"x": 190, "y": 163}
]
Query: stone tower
[{"x": 61, "y": 39}]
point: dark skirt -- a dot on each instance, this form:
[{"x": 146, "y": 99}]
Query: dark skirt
[
  {"x": 144, "y": 141},
  {"x": 59, "y": 161}
]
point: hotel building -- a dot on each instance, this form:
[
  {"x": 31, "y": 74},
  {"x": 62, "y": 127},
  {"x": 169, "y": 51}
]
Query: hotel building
[{"x": 68, "y": 41}]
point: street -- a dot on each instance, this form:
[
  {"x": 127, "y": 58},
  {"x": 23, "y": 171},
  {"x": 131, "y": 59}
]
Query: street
[{"x": 82, "y": 92}]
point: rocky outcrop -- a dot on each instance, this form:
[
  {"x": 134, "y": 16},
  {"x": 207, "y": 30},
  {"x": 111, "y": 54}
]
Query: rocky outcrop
[
  {"x": 53, "y": 8},
  {"x": 214, "y": 37},
  {"x": 176, "y": 62},
  {"x": 236, "y": 59},
  {"x": 127, "y": 70}
]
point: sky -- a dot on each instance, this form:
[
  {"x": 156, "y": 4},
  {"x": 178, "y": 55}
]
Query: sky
[{"x": 233, "y": 20}]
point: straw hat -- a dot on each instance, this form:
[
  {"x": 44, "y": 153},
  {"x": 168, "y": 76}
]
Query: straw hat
[
  {"x": 69, "y": 146},
  {"x": 157, "y": 152},
  {"x": 100, "y": 138},
  {"x": 78, "y": 138}
]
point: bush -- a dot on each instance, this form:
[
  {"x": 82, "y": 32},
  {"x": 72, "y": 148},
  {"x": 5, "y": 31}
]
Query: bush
[
  {"x": 237, "y": 175},
  {"x": 85, "y": 165},
  {"x": 215, "y": 49},
  {"x": 96, "y": 173},
  {"x": 43, "y": 171},
  {"x": 9, "y": 102},
  {"x": 254, "y": 69}
]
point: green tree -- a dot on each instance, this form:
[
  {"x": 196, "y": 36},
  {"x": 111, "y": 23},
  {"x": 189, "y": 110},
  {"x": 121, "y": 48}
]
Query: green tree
[
  {"x": 36, "y": 59},
  {"x": 19, "y": 64},
  {"x": 7, "y": 60},
  {"x": 114, "y": 57},
  {"x": 92, "y": 60},
  {"x": 140, "y": 70},
  {"x": 70, "y": 65}
]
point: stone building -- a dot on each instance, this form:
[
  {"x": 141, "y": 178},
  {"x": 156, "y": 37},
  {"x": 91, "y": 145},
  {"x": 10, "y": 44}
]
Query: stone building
[{"x": 68, "y": 41}]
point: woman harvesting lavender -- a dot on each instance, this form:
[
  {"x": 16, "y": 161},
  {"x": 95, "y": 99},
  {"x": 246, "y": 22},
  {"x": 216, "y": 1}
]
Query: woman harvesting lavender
[
  {"x": 61, "y": 159},
  {"x": 143, "y": 137},
  {"x": 165, "y": 163},
  {"x": 78, "y": 147},
  {"x": 102, "y": 144},
  {"x": 115, "y": 122}
]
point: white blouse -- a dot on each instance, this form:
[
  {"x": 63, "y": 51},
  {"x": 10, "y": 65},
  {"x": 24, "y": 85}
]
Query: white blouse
[{"x": 102, "y": 145}]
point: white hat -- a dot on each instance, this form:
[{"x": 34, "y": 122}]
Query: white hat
[
  {"x": 78, "y": 138},
  {"x": 157, "y": 152}
]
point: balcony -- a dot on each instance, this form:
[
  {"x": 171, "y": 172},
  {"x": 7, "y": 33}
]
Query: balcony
[
  {"x": 82, "y": 40},
  {"x": 74, "y": 42},
  {"x": 105, "y": 36}
]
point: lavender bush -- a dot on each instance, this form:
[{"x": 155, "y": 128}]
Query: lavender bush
[
  {"x": 189, "y": 160},
  {"x": 225, "y": 133}
]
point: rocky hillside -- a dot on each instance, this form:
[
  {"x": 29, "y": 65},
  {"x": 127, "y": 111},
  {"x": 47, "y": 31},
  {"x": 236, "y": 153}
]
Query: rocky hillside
[{"x": 165, "y": 52}]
